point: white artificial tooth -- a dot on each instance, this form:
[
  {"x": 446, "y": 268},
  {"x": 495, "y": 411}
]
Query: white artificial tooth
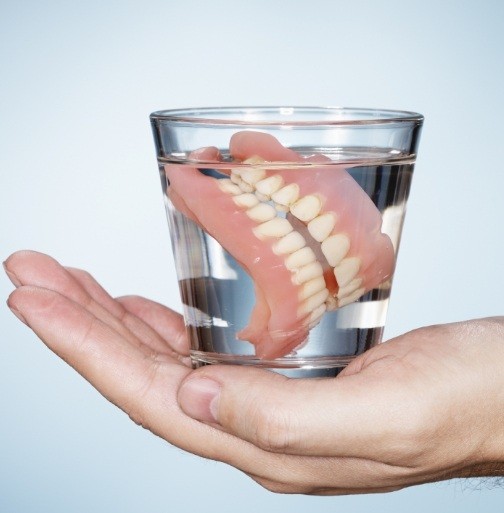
[
  {"x": 269, "y": 185},
  {"x": 307, "y": 273},
  {"x": 281, "y": 208},
  {"x": 261, "y": 212},
  {"x": 311, "y": 287},
  {"x": 226, "y": 185},
  {"x": 350, "y": 288},
  {"x": 347, "y": 270},
  {"x": 245, "y": 187},
  {"x": 288, "y": 244},
  {"x": 335, "y": 248},
  {"x": 255, "y": 159},
  {"x": 313, "y": 302},
  {"x": 261, "y": 197},
  {"x": 286, "y": 195},
  {"x": 316, "y": 315},
  {"x": 235, "y": 178},
  {"x": 321, "y": 227},
  {"x": 331, "y": 304},
  {"x": 351, "y": 298},
  {"x": 306, "y": 208},
  {"x": 246, "y": 200},
  {"x": 275, "y": 228},
  {"x": 300, "y": 258},
  {"x": 252, "y": 175}
]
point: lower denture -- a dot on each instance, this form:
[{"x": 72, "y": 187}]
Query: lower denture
[{"x": 326, "y": 253}]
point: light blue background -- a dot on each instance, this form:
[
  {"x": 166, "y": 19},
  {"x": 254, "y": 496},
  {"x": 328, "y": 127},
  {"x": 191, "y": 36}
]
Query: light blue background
[{"x": 79, "y": 181}]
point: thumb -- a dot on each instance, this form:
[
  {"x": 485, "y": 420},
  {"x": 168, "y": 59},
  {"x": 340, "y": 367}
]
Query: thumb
[{"x": 325, "y": 417}]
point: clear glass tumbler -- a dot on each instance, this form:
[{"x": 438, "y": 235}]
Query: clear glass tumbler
[{"x": 285, "y": 225}]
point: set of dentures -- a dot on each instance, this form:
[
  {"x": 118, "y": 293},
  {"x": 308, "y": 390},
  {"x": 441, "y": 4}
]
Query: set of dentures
[
  {"x": 318, "y": 241},
  {"x": 263, "y": 198}
]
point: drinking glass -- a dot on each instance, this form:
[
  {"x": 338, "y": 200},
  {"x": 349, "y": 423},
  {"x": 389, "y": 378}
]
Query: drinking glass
[{"x": 285, "y": 225}]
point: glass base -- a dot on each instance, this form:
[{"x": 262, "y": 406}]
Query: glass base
[{"x": 290, "y": 366}]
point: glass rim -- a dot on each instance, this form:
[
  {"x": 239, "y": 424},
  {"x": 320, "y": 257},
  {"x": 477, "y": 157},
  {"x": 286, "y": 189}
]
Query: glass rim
[{"x": 285, "y": 116}]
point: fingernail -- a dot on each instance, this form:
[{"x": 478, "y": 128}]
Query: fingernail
[
  {"x": 199, "y": 398},
  {"x": 12, "y": 277},
  {"x": 17, "y": 313}
]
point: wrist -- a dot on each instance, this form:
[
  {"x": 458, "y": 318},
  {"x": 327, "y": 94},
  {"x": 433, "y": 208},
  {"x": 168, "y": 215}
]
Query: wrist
[{"x": 490, "y": 335}]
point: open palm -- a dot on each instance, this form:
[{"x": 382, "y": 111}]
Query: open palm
[{"x": 412, "y": 410}]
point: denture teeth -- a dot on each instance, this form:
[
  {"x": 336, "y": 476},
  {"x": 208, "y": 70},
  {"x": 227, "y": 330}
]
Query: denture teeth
[
  {"x": 245, "y": 187},
  {"x": 306, "y": 208},
  {"x": 331, "y": 304},
  {"x": 313, "y": 302},
  {"x": 261, "y": 212},
  {"x": 346, "y": 270},
  {"x": 253, "y": 175},
  {"x": 277, "y": 228},
  {"x": 261, "y": 197},
  {"x": 288, "y": 244},
  {"x": 287, "y": 195},
  {"x": 226, "y": 185},
  {"x": 235, "y": 176},
  {"x": 253, "y": 160},
  {"x": 269, "y": 185},
  {"x": 307, "y": 273},
  {"x": 321, "y": 227},
  {"x": 350, "y": 288},
  {"x": 316, "y": 315},
  {"x": 351, "y": 298},
  {"x": 246, "y": 200},
  {"x": 311, "y": 287},
  {"x": 335, "y": 248},
  {"x": 300, "y": 258},
  {"x": 281, "y": 208}
]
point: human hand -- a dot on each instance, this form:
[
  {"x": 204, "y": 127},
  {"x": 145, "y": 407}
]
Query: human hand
[{"x": 425, "y": 406}]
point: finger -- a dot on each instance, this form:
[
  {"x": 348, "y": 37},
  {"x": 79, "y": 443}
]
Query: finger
[
  {"x": 33, "y": 268},
  {"x": 117, "y": 368},
  {"x": 143, "y": 386},
  {"x": 142, "y": 330},
  {"x": 345, "y": 417},
  {"x": 146, "y": 388},
  {"x": 168, "y": 324},
  {"x": 96, "y": 291}
]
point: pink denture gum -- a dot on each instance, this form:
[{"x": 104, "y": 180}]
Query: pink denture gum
[{"x": 306, "y": 233}]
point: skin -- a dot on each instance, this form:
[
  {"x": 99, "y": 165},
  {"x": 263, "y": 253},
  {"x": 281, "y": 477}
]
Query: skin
[{"x": 425, "y": 406}]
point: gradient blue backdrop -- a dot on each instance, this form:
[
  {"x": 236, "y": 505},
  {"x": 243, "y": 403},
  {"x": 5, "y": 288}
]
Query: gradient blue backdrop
[{"x": 79, "y": 181}]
